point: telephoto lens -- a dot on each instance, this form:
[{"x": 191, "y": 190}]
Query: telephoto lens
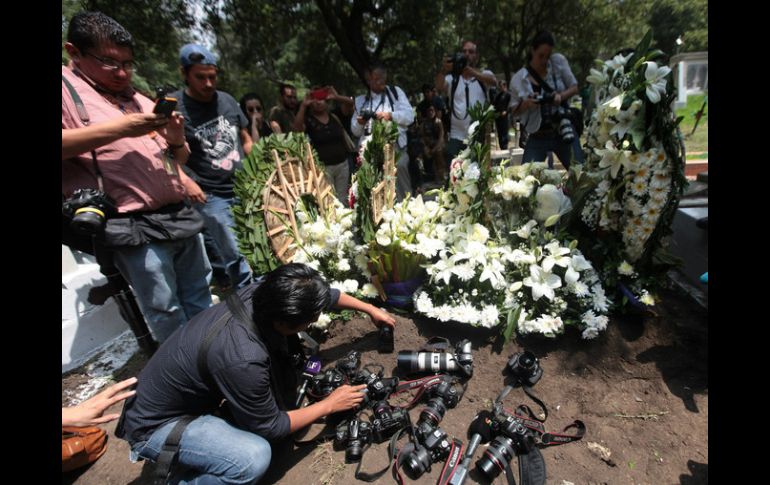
[{"x": 411, "y": 361}]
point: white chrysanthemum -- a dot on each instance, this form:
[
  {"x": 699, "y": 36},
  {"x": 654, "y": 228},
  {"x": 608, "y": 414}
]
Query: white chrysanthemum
[
  {"x": 343, "y": 264},
  {"x": 625, "y": 269},
  {"x": 443, "y": 313},
  {"x": 579, "y": 288},
  {"x": 369, "y": 291},
  {"x": 473, "y": 172},
  {"x": 464, "y": 271},
  {"x": 490, "y": 316},
  {"x": 423, "y": 303},
  {"x": 600, "y": 301}
]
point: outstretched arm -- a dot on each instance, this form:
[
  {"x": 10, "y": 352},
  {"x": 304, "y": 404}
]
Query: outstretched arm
[
  {"x": 378, "y": 316},
  {"x": 90, "y": 412}
]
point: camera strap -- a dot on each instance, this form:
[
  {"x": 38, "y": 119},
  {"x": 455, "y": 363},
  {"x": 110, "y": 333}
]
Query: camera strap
[
  {"x": 83, "y": 114},
  {"x": 421, "y": 385},
  {"x": 528, "y": 391}
]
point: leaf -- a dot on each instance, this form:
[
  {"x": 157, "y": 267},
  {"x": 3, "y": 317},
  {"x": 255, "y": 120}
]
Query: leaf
[{"x": 513, "y": 319}]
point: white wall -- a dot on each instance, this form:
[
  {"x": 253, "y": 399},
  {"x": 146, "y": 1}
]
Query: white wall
[{"x": 85, "y": 328}]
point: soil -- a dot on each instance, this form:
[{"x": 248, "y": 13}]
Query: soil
[{"x": 641, "y": 389}]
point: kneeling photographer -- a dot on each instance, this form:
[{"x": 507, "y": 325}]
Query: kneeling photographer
[
  {"x": 220, "y": 392},
  {"x": 539, "y": 99}
]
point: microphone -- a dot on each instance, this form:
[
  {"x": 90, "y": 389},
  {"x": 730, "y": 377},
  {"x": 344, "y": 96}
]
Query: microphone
[
  {"x": 479, "y": 432},
  {"x": 312, "y": 367}
]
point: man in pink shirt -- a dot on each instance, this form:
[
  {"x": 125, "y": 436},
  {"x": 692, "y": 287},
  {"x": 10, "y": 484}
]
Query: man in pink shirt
[{"x": 138, "y": 154}]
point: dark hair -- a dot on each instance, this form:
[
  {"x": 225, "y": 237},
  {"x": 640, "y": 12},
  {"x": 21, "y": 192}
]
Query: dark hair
[
  {"x": 248, "y": 97},
  {"x": 542, "y": 37},
  {"x": 426, "y": 87},
  {"x": 88, "y": 30},
  {"x": 283, "y": 86},
  {"x": 291, "y": 295},
  {"x": 377, "y": 66}
]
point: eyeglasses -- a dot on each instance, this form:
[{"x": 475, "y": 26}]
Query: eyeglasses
[{"x": 113, "y": 65}]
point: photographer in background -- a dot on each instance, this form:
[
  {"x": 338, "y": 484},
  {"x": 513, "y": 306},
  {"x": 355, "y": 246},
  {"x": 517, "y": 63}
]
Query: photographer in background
[
  {"x": 131, "y": 158},
  {"x": 466, "y": 86},
  {"x": 540, "y": 93},
  {"x": 252, "y": 363},
  {"x": 386, "y": 103},
  {"x": 328, "y": 136}
]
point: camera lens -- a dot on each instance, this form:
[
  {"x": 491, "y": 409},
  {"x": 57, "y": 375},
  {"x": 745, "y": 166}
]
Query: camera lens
[
  {"x": 87, "y": 220},
  {"x": 527, "y": 360},
  {"x": 407, "y": 360},
  {"x": 499, "y": 453},
  {"x": 353, "y": 452},
  {"x": 434, "y": 411},
  {"x": 417, "y": 462}
]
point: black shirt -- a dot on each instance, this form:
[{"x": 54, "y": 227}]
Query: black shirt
[
  {"x": 213, "y": 131},
  {"x": 327, "y": 139},
  {"x": 239, "y": 362}
]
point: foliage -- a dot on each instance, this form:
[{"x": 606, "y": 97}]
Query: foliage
[
  {"x": 634, "y": 170},
  {"x": 372, "y": 158},
  {"x": 249, "y": 183}
]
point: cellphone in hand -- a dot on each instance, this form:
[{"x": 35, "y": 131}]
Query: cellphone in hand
[
  {"x": 319, "y": 94},
  {"x": 165, "y": 106}
]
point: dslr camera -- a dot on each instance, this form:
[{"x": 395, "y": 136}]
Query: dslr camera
[
  {"x": 511, "y": 438},
  {"x": 555, "y": 115},
  {"x": 387, "y": 420},
  {"x": 353, "y": 435},
  {"x": 368, "y": 115},
  {"x": 459, "y": 361},
  {"x": 377, "y": 386},
  {"x": 431, "y": 448},
  {"x": 499, "y": 99},
  {"x": 445, "y": 395},
  {"x": 345, "y": 370},
  {"x": 525, "y": 368},
  {"x": 88, "y": 210},
  {"x": 458, "y": 61}
]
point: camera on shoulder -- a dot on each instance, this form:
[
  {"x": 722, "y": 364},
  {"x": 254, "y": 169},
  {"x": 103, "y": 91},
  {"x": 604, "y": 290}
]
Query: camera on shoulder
[{"x": 88, "y": 210}]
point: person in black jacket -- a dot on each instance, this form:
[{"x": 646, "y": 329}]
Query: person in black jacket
[{"x": 248, "y": 364}]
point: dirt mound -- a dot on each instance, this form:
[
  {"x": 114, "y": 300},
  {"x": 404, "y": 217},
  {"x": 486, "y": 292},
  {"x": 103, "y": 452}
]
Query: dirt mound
[{"x": 641, "y": 389}]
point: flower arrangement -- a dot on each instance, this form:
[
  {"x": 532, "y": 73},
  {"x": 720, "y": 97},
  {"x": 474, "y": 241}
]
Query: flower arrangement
[{"x": 634, "y": 174}]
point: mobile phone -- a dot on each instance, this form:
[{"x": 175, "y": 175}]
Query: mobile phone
[
  {"x": 319, "y": 94},
  {"x": 165, "y": 106}
]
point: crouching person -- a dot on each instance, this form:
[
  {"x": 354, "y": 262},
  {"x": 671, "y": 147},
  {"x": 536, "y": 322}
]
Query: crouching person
[{"x": 247, "y": 363}]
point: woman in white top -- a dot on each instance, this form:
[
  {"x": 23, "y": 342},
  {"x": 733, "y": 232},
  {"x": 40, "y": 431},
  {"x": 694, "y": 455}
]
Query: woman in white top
[{"x": 539, "y": 99}]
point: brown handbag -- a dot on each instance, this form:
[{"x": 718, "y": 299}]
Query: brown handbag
[{"x": 81, "y": 446}]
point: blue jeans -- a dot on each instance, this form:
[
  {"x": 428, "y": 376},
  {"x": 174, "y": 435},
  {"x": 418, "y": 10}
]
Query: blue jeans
[
  {"x": 170, "y": 280},
  {"x": 218, "y": 218},
  {"x": 211, "y": 451},
  {"x": 537, "y": 149}
]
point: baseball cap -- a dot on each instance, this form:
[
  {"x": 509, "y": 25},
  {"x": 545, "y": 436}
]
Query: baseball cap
[{"x": 191, "y": 54}]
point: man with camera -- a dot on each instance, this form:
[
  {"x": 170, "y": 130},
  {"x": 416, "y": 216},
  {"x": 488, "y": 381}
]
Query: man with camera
[
  {"x": 215, "y": 128},
  {"x": 235, "y": 378},
  {"x": 386, "y": 103},
  {"x": 122, "y": 180},
  {"x": 466, "y": 86}
]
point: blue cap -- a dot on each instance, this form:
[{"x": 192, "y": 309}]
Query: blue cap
[{"x": 191, "y": 54}]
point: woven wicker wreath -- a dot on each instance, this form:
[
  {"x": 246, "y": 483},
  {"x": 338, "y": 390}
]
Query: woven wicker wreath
[{"x": 291, "y": 179}]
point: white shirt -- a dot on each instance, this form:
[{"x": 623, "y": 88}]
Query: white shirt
[
  {"x": 401, "y": 111},
  {"x": 461, "y": 120}
]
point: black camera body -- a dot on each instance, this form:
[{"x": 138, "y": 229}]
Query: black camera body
[
  {"x": 512, "y": 438},
  {"x": 353, "y": 435},
  {"x": 387, "y": 420},
  {"x": 88, "y": 210},
  {"x": 461, "y": 360},
  {"x": 324, "y": 383},
  {"x": 433, "y": 447},
  {"x": 499, "y": 99},
  {"x": 367, "y": 113},
  {"x": 385, "y": 341},
  {"x": 441, "y": 397},
  {"x": 555, "y": 115},
  {"x": 525, "y": 368},
  {"x": 377, "y": 388},
  {"x": 349, "y": 364},
  {"x": 459, "y": 62}
]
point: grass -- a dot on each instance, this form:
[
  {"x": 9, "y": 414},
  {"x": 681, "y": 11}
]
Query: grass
[{"x": 698, "y": 141}]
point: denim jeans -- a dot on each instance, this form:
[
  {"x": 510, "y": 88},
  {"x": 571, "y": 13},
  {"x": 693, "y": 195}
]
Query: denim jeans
[
  {"x": 537, "y": 149},
  {"x": 218, "y": 218},
  {"x": 211, "y": 451},
  {"x": 170, "y": 280}
]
